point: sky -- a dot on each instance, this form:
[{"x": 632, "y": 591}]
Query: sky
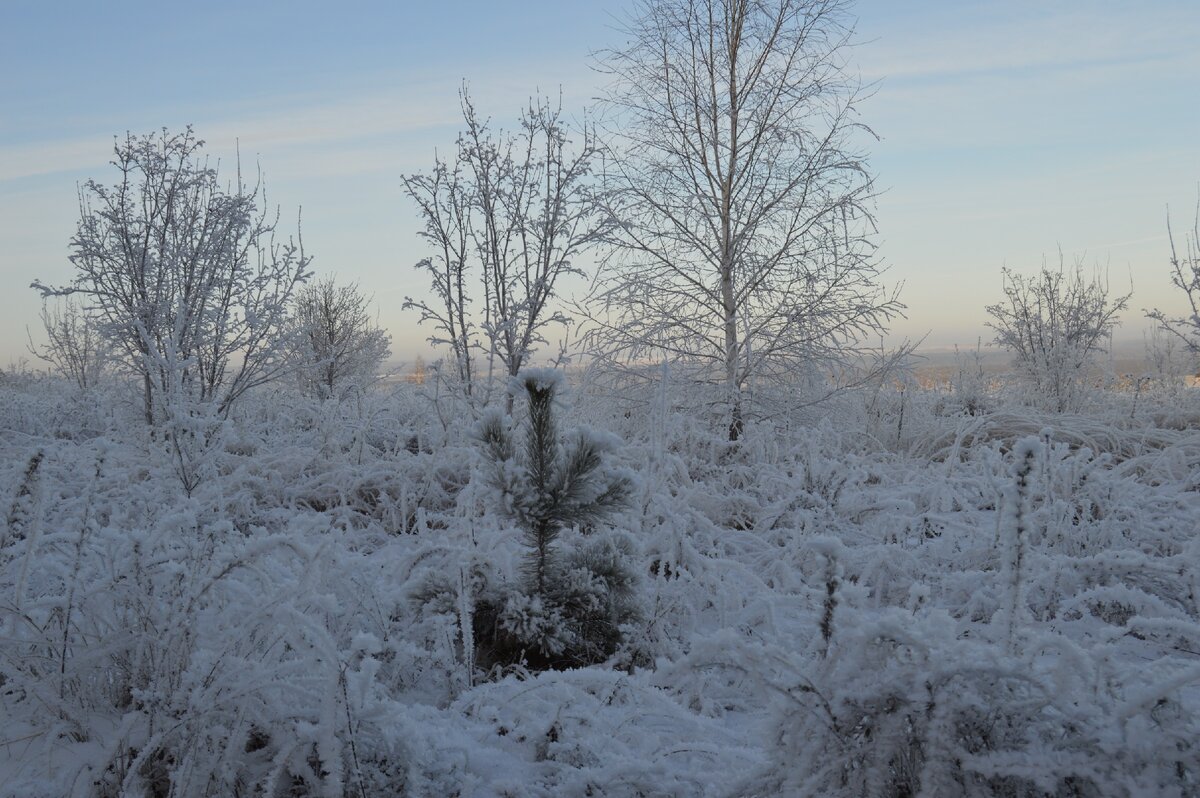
[{"x": 1008, "y": 131}]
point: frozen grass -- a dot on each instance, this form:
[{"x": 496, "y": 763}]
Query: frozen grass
[{"x": 889, "y": 596}]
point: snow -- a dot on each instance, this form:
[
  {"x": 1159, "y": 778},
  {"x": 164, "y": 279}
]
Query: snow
[{"x": 852, "y": 601}]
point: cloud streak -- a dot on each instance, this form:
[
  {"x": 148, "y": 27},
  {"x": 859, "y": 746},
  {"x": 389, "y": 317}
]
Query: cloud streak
[
  {"x": 336, "y": 133},
  {"x": 958, "y": 41}
]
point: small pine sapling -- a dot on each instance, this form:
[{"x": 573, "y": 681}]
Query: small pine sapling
[
  {"x": 553, "y": 486},
  {"x": 573, "y": 606}
]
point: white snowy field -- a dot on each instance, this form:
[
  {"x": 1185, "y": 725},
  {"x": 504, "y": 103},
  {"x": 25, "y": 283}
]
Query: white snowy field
[{"x": 905, "y": 592}]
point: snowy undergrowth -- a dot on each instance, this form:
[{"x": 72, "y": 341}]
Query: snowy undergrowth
[{"x": 998, "y": 604}]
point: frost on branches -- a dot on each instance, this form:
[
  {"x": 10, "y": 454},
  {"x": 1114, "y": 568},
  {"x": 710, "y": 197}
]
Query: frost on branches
[
  {"x": 1185, "y": 276},
  {"x": 186, "y": 283},
  {"x": 1054, "y": 323}
]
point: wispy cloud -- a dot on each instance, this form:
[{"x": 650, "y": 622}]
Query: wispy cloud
[
  {"x": 346, "y": 132},
  {"x": 963, "y": 41},
  {"x": 313, "y": 123}
]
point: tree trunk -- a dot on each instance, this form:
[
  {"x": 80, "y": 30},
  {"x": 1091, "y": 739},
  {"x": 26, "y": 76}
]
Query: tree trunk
[
  {"x": 732, "y": 348},
  {"x": 728, "y": 301},
  {"x": 148, "y": 398}
]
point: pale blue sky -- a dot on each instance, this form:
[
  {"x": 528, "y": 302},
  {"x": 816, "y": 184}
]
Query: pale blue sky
[{"x": 1008, "y": 129}]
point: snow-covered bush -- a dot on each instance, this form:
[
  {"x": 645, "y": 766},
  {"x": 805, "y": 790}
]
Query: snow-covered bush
[
  {"x": 335, "y": 345},
  {"x": 1054, "y": 323},
  {"x": 907, "y": 704}
]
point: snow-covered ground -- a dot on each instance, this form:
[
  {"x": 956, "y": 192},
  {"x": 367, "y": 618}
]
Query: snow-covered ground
[{"x": 907, "y": 592}]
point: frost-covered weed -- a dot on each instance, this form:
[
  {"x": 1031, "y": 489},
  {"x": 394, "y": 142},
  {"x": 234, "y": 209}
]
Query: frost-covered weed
[{"x": 907, "y": 704}]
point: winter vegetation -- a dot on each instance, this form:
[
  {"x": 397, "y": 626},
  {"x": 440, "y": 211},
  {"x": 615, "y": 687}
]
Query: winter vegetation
[
  {"x": 336, "y": 346},
  {"x": 1055, "y": 324},
  {"x": 743, "y": 250},
  {"x": 720, "y": 544}
]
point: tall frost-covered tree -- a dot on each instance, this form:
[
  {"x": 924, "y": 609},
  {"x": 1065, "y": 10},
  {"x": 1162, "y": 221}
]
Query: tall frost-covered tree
[
  {"x": 743, "y": 196},
  {"x": 183, "y": 275}
]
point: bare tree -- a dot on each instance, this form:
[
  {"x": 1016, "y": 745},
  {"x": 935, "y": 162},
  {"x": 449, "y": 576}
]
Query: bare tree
[
  {"x": 337, "y": 343},
  {"x": 73, "y": 344},
  {"x": 743, "y": 250},
  {"x": 511, "y": 214},
  {"x": 1054, "y": 323},
  {"x": 184, "y": 278},
  {"x": 1185, "y": 275}
]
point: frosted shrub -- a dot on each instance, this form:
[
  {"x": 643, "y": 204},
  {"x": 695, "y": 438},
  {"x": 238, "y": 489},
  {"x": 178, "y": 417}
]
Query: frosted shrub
[
  {"x": 969, "y": 385},
  {"x": 335, "y": 346},
  {"x": 1054, "y": 323},
  {"x": 149, "y": 647}
]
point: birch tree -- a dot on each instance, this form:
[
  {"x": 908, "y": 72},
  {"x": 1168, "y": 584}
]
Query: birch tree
[{"x": 744, "y": 199}]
